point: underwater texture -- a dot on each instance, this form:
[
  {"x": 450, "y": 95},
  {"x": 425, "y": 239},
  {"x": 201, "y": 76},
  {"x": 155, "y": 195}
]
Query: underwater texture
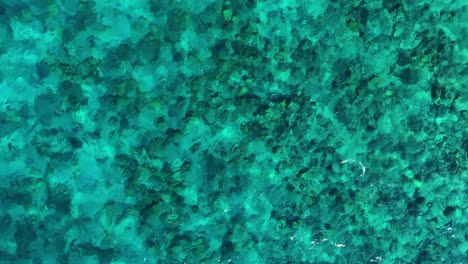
[{"x": 210, "y": 131}]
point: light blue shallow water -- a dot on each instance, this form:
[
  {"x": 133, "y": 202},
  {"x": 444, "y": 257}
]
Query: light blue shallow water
[{"x": 233, "y": 131}]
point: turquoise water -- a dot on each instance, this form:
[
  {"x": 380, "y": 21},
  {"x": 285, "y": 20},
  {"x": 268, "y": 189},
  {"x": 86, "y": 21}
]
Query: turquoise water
[{"x": 284, "y": 131}]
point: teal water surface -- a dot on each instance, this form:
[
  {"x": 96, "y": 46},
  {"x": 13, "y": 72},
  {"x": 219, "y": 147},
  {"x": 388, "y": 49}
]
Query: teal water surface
[{"x": 285, "y": 131}]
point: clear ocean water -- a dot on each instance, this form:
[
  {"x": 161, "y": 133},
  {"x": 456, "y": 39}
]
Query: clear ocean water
[{"x": 250, "y": 132}]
